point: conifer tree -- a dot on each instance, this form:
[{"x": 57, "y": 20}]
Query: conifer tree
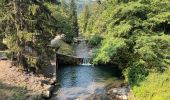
[
  {"x": 86, "y": 17},
  {"x": 73, "y": 18},
  {"x": 28, "y": 27}
]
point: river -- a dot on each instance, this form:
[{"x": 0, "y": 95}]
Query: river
[{"x": 83, "y": 80}]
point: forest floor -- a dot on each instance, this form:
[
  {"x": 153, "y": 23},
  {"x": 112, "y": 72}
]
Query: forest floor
[{"x": 18, "y": 85}]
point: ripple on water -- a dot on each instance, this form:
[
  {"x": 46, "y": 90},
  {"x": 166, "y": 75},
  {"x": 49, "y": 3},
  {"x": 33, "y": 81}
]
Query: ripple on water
[{"x": 82, "y": 81}]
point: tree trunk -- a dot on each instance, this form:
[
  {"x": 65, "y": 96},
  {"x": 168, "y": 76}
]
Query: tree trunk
[{"x": 21, "y": 60}]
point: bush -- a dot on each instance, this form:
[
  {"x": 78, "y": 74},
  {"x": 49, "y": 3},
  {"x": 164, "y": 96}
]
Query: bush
[
  {"x": 95, "y": 40},
  {"x": 9, "y": 55},
  {"x": 135, "y": 74},
  {"x": 155, "y": 87}
]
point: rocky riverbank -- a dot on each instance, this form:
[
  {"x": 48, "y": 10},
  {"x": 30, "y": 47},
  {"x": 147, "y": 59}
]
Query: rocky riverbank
[
  {"x": 15, "y": 83},
  {"x": 118, "y": 91}
]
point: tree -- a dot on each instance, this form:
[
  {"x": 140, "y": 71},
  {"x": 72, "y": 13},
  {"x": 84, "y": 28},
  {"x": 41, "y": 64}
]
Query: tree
[
  {"x": 63, "y": 4},
  {"x": 73, "y": 18},
  {"x": 62, "y": 16},
  {"x": 53, "y": 1},
  {"x": 135, "y": 36},
  {"x": 28, "y": 27},
  {"x": 83, "y": 19},
  {"x": 86, "y": 16},
  {"x": 99, "y": 2}
]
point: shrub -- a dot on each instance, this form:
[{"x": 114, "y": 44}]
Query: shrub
[
  {"x": 135, "y": 74},
  {"x": 154, "y": 87},
  {"x": 95, "y": 40}
]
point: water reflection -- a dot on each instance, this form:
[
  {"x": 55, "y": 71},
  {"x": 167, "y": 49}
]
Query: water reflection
[{"x": 82, "y": 81}]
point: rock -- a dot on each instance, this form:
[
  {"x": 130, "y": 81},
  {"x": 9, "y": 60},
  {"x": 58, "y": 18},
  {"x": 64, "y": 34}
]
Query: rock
[
  {"x": 37, "y": 82},
  {"x": 58, "y": 84},
  {"x": 114, "y": 90},
  {"x": 124, "y": 97},
  {"x": 95, "y": 97},
  {"x": 44, "y": 82},
  {"x": 13, "y": 63},
  {"x": 118, "y": 93},
  {"x": 53, "y": 81},
  {"x": 46, "y": 94},
  {"x": 78, "y": 98},
  {"x": 120, "y": 97},
  {"x": 122, "y": 91},
  {"x": 31, "y": 74},
  {"x": 51, "y": 88},
  {"x": 46, "y": 87},
  {"x": 48, "y": 91}
]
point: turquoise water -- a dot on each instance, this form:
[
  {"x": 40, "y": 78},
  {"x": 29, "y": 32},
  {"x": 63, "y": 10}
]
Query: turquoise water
[{"x": 83, "y": 81}]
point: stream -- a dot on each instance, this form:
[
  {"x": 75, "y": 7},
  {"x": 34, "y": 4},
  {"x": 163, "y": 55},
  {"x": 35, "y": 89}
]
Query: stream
[{"x": 83, "y": 80}]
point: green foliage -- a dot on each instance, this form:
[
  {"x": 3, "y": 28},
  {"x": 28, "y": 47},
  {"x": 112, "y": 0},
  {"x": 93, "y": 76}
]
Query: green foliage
[
  {"x": 16, "y": 93},
  {"x": 29, "y": 27},
  {"x": 62, "y": 16},
  {"x": 121, "y": 30},
  {"x": 135, "y": 35},
  {"x": 135, "y": 74},
  {"x": 87, "y": 19},
  {"x": 95, "y": 41},
  {"x": 153, "y": 50},
  {"x": 33, "y": 8},
  {"x": 154, "y": 87},
  {"x": 12, "y": 92},
  {"x": 83, "y": 19},
  {"x": 73, "y": 18},
  {"x": 8, "y": 55},
  {"x": 109, "y": 49},
  {"x": 65, "y": 49}
]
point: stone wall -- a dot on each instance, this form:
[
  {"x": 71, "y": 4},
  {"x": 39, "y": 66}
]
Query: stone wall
[{"x": 68, "y": 60}]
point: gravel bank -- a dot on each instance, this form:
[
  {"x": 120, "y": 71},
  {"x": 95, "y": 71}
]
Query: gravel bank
[{"x": 30, "y": 85}]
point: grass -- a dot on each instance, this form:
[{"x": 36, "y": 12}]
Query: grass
[
  {"x": 155, "y": 87},
  {"x": 8, "y": 92}
]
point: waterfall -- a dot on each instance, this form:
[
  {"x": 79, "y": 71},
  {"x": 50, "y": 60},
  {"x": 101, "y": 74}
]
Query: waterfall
[
  {"x": 86, "y": 61},
  {"x": 82, "y": 52}
]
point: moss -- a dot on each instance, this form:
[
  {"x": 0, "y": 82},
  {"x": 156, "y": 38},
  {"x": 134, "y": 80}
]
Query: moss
[{"x": 66, "y": 49}]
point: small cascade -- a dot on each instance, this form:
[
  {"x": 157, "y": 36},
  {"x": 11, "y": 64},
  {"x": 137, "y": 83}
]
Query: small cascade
[
  {"x": 82, "y": 52},
  {"x": 86, "y": 62}
]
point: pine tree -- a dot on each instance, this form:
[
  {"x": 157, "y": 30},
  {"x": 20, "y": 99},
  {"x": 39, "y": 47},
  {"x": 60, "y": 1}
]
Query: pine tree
[
  {"x": 53, "y": 1},
  {"x": 99, "y": 2},
  {"x": 73, "y": 18},
  {"x": 28, "y": 24},
  {"x": 86, "y": 17},
  {"x": 63, "y": 4}
]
